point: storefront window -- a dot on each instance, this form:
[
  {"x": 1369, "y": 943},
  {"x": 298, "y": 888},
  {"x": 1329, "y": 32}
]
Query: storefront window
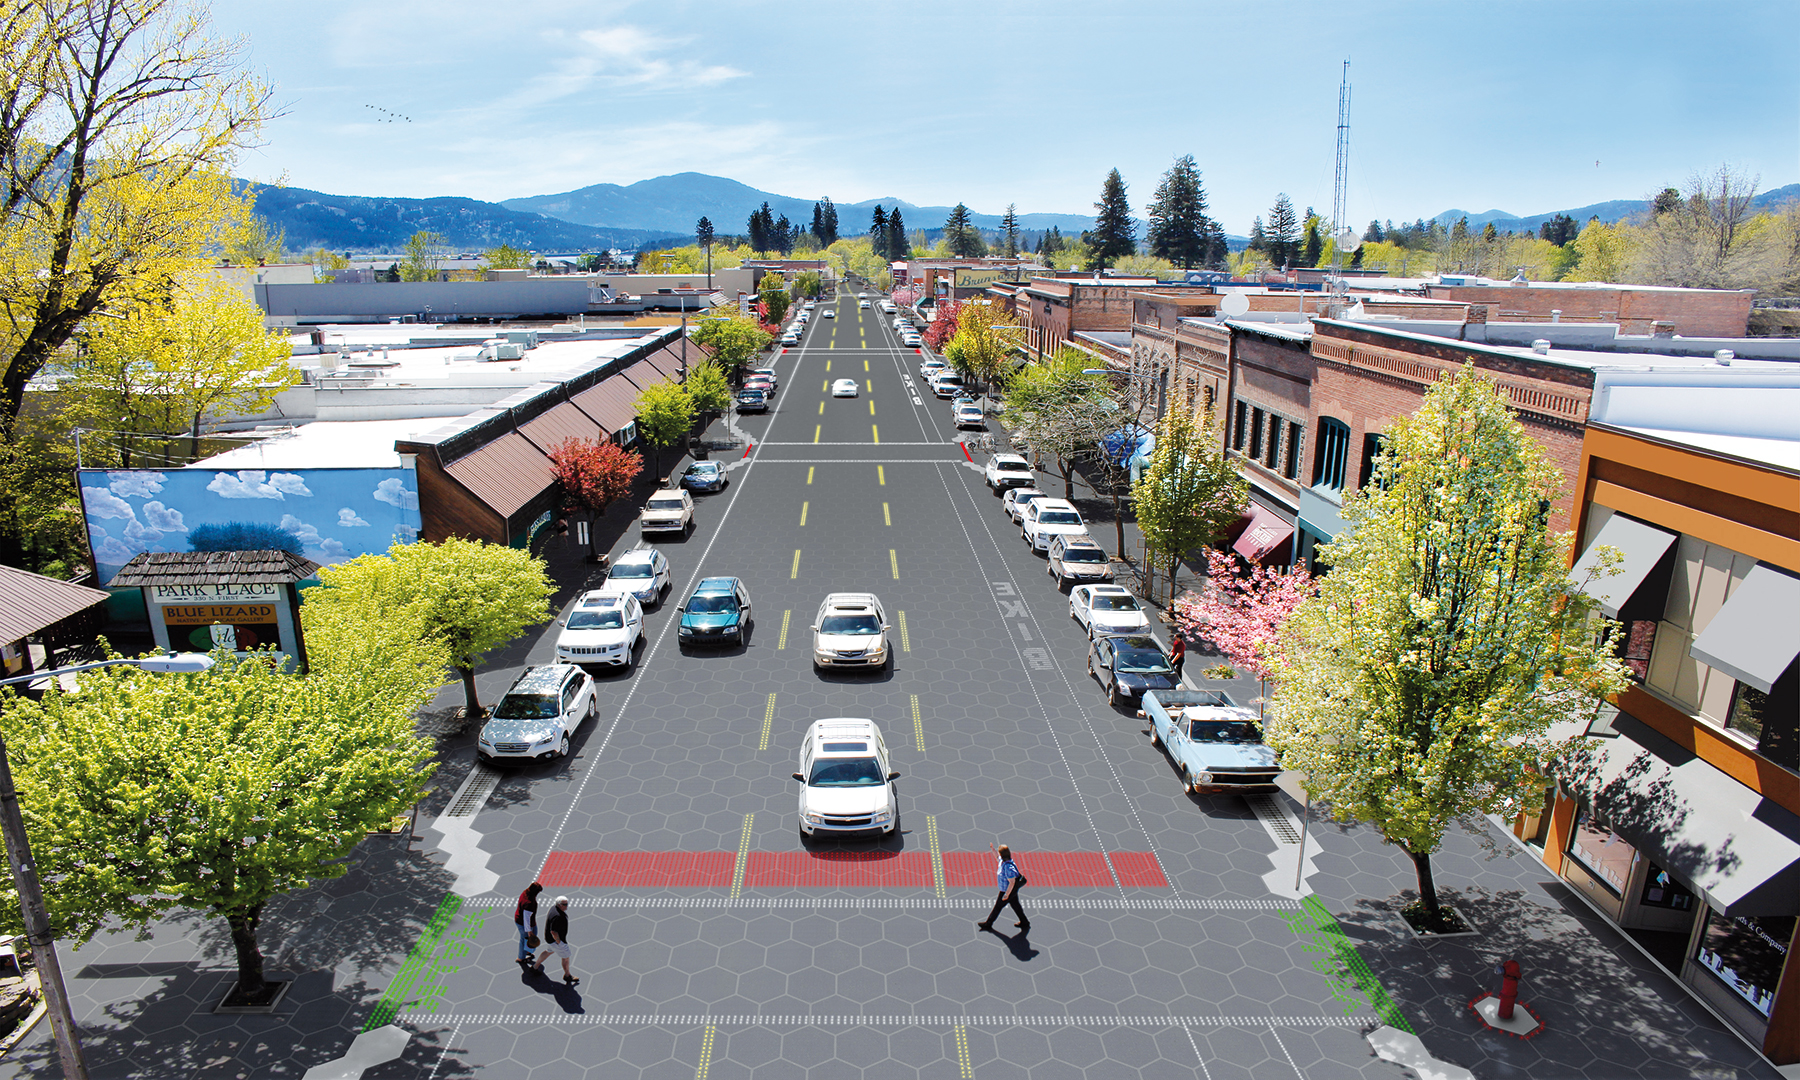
[
  {"x": 1601, "y": 851},
  {"x": 1748, "y": 707},
  {"x": 1747, "y": 953},
  {"x": 1635, "y": 647},
  {"x": 1661, "y": 891}
]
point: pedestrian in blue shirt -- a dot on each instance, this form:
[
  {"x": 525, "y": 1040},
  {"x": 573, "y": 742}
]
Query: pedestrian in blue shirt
[{"x": 1009, "y": 880}]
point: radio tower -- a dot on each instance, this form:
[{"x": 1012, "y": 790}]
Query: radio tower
[{"x": 1339, "y": 211}]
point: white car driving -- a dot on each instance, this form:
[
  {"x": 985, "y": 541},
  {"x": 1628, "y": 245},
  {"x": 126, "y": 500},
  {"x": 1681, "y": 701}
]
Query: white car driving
[
  {"x": 844, "y": 388},
  {"x": 1107, "y": 609},
  {"x": 1046, "y": 519},
  {"x": 643, "y": 573},
  {"x": 846, "y": 781},
  {"x": 1008, "y": 471},
  {"x": 602, "y": 628},
  {"x": 850, "y": 631}
]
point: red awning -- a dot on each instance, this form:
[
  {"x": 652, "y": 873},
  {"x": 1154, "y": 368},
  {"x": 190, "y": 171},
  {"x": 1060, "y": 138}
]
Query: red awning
[{"x": 1264, "y": 534}]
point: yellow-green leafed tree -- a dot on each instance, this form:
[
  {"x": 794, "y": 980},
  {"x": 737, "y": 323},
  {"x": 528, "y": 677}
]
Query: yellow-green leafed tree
[
  {"x": 985, "y": 337},
  {"x": 731, "y": 340},
  {"x": 1189, "y": 493},
  {"x": 219, "y": 791},
  {"x": 1416, "y": 688},
  {"x": 506, "y": 257},
  {"x": 465, "y": 596},
  {"x": 665, "y": 413},
  {"x": 195, "y": 353},
  {"x": 1603, "y": 253},
  {"x": 708, "y": 388}
]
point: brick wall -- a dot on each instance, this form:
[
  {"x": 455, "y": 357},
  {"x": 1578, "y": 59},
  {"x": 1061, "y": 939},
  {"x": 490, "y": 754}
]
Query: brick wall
[{"x": 1693, "y": 312}]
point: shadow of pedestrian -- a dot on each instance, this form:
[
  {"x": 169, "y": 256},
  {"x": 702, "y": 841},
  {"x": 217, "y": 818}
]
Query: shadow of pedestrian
[
  {"x": 1019, "y": 945},
  {"x": 568, "y": 998}
]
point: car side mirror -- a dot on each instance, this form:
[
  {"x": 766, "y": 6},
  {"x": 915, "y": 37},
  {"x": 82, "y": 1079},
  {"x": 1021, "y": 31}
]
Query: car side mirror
[
  {"x": 800, "y": 778},
  {"x": 893, "y": 776},
  {"x": 681, "y": 607},
  {"x": 885, "y": 626},
  {"x": 815, "y": 627}
]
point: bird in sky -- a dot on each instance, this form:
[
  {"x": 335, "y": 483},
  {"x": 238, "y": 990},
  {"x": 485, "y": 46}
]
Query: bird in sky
[{"x": 388, "y": 116}]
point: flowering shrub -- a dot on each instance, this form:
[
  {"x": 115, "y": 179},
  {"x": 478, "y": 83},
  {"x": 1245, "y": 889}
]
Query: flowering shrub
[{"x": 1242, "y": 613}]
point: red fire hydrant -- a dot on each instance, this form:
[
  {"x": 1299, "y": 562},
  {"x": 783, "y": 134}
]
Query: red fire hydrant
[{"x": 1509, "y": 988}]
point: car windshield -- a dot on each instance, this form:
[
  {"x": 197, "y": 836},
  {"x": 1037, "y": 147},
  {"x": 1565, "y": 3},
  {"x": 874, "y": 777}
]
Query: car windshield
[
  {"x": 1114, "y": 602},
  {"x": 1143, "y": 662},
  {"x": 1083, "y": 555},
  {"x": 597, "y": 620},
  {"x": 713, "y": 604},
  {"x": 634, "y": 570},
  {"x": 665, "y": 504},
  {"x": 850, "y": 624},
  {"x": 526, "y": 707},
  {"x": 1219, "y": 731},
  {"x": 847, "y": 772},
  {"x": 1059, "y": 517},
  {"x": 702, "y": 470}
]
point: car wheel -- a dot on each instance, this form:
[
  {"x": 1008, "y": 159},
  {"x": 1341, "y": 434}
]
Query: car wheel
[
  {"x": 593, "y": 707},
  {"x": 1090, "y": 666},
  {"x": 562, "y": 748},
  {"x": 1185, "y": 784},
  {"x": 1112, "y": 693},
  {"x": 662, "y": 594},
  {"x": 1155, "y": 739}
]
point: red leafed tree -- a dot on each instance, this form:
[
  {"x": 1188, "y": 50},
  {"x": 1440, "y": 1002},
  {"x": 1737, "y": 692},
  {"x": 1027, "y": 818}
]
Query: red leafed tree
[
  {"x": 1242, "y": 613},
  {"x": 942, "y": 328},
  {"x": 593, "y": 475}
]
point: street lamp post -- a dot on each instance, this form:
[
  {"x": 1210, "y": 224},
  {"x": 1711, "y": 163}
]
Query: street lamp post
[{"x": 38, "y": 933}]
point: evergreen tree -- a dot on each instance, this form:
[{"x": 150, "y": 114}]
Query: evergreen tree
[
  {"x": 1179, "y": 227},
  {"x": 960, "y": 235},
  {"x": 1009, "y": 229},
  {"x": 1217, "y": 248},
  {"x": 1313, "y": 246},
  {"x": 703, "y": 232},
  {"x": 898, "y": 247},
  {"x": 1373, "y": 233},
  {"x": 783, "y": 235},
  {"x": 1281, "y": 236},
  {"x": 762, "y": 229},
  {"x": 824, "y": 223},
  {"x": 878, "y": 232},
  {"x": 1259, "y": 237},
  {"x": 1115, "y": 234}
]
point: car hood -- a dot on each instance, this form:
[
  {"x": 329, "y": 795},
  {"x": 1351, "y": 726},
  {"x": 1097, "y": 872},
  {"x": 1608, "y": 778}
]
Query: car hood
[
  {"x": 525, "y": 731},
  {"x": 637, "y": 586},
  {"x": 1216, "y": 756},
  {"x": 660, "y": 515},
  {"x": 846, "y": 802},
  {"x": 847, "y": 642},
  {"x": 1120, "y": 620},
  {"x": 1140, "y": 683},
  {"x": 701, "y": 620},
  {"x": 592, "y": 638}
]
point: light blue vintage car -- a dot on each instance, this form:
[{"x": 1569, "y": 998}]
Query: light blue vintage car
[{"x": 1217, "y": 745}]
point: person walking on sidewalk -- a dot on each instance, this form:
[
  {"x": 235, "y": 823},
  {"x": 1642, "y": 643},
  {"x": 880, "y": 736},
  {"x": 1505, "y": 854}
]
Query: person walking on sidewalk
[
  {"x": 556, "y": 939},
  {"x": 525, "y": 918},
  {"x": 1177, "y": 653},
  {"x": 1010, "y": 881}
]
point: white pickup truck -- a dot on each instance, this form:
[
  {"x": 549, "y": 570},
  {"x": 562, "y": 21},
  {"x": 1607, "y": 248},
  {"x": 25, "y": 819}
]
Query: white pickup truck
[{"x": 669, "y": 510}]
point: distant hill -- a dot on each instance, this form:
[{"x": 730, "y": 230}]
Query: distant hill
[
  {"x": 1611, "y": 211},
  {"x": 359, "y": 223}
]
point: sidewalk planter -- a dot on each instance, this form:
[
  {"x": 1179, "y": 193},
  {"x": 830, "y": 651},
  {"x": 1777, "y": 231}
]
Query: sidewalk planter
[{"x": 1424, "y": 938}]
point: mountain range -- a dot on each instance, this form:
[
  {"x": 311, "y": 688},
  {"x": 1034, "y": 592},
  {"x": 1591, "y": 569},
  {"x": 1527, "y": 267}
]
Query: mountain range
[{"x": 664, "y": 209}]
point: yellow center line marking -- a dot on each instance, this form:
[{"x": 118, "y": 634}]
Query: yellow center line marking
[
  {"x": 803, "y": 507},
  {"x": 825, "y": 387},
  {"x": 865, "y": 344},
  {"x": 795, "y": 572},
  {"x": 906, "y": 646},
  {"x": 810, "y": 468},
  {"x": 871, "y": 383},
  {"x": 875, "y": 432},
  {"x": 881, "y": 474},
  {"x": 871, "y": 408},
  {"x": 781, "y": 643},
  {"x": 706, "y": 1048},
  {"x": 827, "y": 365},
  {"x": 894, "y": 563},
  {"x": 918, "y": 734},
  {"x": 768, "y": 719},
  {"x": 832, "y": 344},
  {"x": 937, "y": 855},
  {"x": 962, "y": 1052},
  {"x": 737, "y": 871},
  {"x": 821, "y": 408},
  {"x": 865, "y": 365},
  {"x": 886, "y": 518},
  {"x": 818, "y": 427}
]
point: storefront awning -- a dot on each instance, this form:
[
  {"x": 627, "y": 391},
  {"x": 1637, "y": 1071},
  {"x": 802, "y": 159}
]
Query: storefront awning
[
  {"x": 1642, "y": 547},
  {"x": 1264, "y": 534},
  {"x": 505, "y": 474},
  {"x": 1756, "y": 635},
  {"x": 1740, "y": 850}
]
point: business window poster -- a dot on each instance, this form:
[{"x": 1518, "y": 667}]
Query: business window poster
[
  {"x": 326, "y": 515},
  {"x": 1747, "y": 953}
]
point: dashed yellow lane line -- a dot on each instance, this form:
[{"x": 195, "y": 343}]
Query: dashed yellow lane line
[
  {"x": 827, "y": 365},
  {"x": 818, "y": 427},
  {"x": 937, "y": 855},
  {"x": 821, "y": 408},
  {"x": 881, "y": 474},
  {"x": 906, "y": 646},
  {"x": 781, "y": 643},
  {"x": 795, "y": 572},
  {"x": 706, "y": 1051},
  {"x": 962, "y": 1052},
  {"x": 875, "y": 432},
  {"x": 865, "y": 365},
  {"x": 871, "y": 408},
  {"x": 743, "y": 855},
  {"x": 871, "y": 385},
  {"x": 825, "y": 387},
  {"x": 810, "y": 468},
  {"x": 803, "y": 509},
  {"x": 893, "y": 563},
  {"x": 886, "y": 518},
  {"x": 768, "y": 716}
]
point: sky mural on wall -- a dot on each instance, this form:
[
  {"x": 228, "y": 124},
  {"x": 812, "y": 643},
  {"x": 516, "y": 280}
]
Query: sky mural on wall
[{"x": 327, "y": 515}]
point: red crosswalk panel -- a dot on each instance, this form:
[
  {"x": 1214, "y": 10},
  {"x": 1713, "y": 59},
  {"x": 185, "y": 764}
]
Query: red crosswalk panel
[
  {"x": 1056, "y": 869},
  {"x": 1139, "y": 869},
  {"x": 837, "y": 870},
  {"x": 639, "y": 869}
]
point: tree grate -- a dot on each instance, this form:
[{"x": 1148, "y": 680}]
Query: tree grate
[{"x": 1278, "y": 820}]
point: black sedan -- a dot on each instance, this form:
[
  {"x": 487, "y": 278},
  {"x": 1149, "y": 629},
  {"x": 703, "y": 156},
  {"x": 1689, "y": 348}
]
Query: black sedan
[
  {"x": 1127, "y": 666},
  {"x": 705, "y": 476}
]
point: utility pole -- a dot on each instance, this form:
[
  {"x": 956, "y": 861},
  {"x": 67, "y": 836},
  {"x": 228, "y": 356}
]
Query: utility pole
[{"x": 1340, "y": 199}]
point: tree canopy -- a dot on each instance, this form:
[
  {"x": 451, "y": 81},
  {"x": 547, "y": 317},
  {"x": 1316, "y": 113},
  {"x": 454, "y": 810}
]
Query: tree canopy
[
  {"x": 1180, "y": 230},
  {"x": 732, "y": 341},
  {"x": 665, "y": 413},
  {"x": 1190, "y": 491},
  {"x": 1059, "y": 408},
  {"x": 593, "y": 475}
]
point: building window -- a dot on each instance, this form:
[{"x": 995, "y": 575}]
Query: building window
[
  {"x": 1635, "y": 647},
  {"x": 1272, "y": 452},
  {"x": 1207, "y": 393},
  {"x": 1661, "y": 891},
  {"x": 1256, "y": 433},
  {"x": 1606, "y": 856},
  {"x": 1292, "y": 471},
  {"x": 1704, "y": 576},
  {"x": 1373, "y": 444},
  {"x": 1748, "y": 707},
  {"x": 1237, "y": 429},
  {"x": 1333, "y": 447},
  {"x": 1746, "y": 953}
]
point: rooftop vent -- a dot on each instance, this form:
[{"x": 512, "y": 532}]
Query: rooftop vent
[
  {"x": 1724, "y": 357},
  {"x": 1541, "y": 347},
  {"x": 1520, "y": 278}
]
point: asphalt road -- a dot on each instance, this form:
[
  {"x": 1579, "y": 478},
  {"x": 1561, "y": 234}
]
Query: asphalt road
[{"x": 711, "y": 942}]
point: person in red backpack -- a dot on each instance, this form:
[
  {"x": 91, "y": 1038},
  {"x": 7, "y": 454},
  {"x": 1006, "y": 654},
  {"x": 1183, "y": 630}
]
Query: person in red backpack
[{"x": 525, "y": 918}]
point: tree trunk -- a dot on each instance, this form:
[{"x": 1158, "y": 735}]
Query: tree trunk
[
  {"x": 1118, "y": 524},
  {"x": 1427, "y": 887},
  {"x": 594, "y": 532},
  {"x": 471, "y": 696},
  {"x": 1068, "y": 475},
  {"x": 243, "y": 925}
]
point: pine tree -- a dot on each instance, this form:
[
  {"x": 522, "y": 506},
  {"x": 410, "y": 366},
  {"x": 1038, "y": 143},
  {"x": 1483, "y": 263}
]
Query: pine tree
[
  {"x": 1281, "y": 236},
  {"x": 1179, "y": 227},
  {"x": 824, "y": 223},
  {"x": 1009, "y": 228},
  {"x": 1313, "y": 246},
  {"x": 783, "y": 235},
  {"x": 960, "y": 235},
  {"x": 1373, "y": 233},
  {"x": 878, "y": 232},
  {"x": 898, "y": 246},
  {"x": 1115, "y": 234}
]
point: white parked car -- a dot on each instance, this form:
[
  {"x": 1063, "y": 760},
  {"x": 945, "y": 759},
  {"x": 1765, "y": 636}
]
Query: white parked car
[
  {"x": 537, "y": 716},
  {"x": 846, "y": 781},
  {"x": 844, "y": 388},
  {"x": 1008, "y": 471},
  {"x": 930, "y": 366},
  {"x": 643, "y": 573},
  {"x": 1046, "y": 519},
  {"x": 602, "y": 628},
  {"x": 946, "y": 384},
  {"x": 850, "y": 631},
  {"x": 669, "y": 510},
  {"x": 970, "y": 416},
  {"x": 1017, "y": 499},
  {"x": 1077, "y": 558},
  {"x": 1107, "y": 609}
]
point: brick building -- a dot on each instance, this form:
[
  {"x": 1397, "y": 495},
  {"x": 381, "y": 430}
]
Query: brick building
[
  {"x": 1637, "y": 309},
  {"x": 1053, "y": 309}
]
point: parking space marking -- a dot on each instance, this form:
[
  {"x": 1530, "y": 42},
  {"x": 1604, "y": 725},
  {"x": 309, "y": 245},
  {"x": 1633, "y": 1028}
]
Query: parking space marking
[
  {"x": 743, "y": 852},
  {"x": 706, "y": 1048},
  {"x": 803, "y": 508},
  {"x": 769, "y": 713},
  {"x": 782, "y": 642},
  {"x": 894, "y": 563},
  {"x": 794, "y": 574},
  {"x": 906, "y": 646},
  {"x": 919, "y": 745}
]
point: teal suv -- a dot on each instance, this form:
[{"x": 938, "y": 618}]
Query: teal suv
[{"x": 717, "y": 614}]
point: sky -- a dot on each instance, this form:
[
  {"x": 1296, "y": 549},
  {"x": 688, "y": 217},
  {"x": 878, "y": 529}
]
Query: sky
[{"x": 1525, "y": 107}]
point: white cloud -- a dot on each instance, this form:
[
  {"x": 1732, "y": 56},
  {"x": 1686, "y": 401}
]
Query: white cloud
[
  {"x": 102, "y": 503},
  {"x": 615, "y": 60},
  {"x": 394, "y": 492},
  {"x": 405, "y": 534},
  {"x": 247, "y": 484},
  {"x": 289, "y": 484},
  {"x": 138, "y": 534},
  {"x": 334, "y": 550},
  {"x": 161, "y": 517},
  {"x": 113, "y": 553},
  {"x": 308, "y": 535},
  {"x": 347, "y": 518},
  {"x": 135, "y": 483}
]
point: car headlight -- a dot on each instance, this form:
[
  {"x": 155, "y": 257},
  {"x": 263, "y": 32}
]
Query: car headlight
[
  {"x": 884, "y": 815},
  {"x": 687, "y": 631},
  {"x": 811, "y": 818},
  {"x": 545, "y": 740},
  {"x": 485, "y": 741},
  {"x": 1203, "y": 778}
]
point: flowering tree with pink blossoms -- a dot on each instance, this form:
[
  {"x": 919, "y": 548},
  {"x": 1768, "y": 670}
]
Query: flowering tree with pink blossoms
[{"x": 1242, "y": 614}]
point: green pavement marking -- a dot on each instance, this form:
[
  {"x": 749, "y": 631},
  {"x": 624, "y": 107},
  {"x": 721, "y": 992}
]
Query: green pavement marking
[
  {"x": 1344, "y": 969},
  {"x": 419, "y": 977}
]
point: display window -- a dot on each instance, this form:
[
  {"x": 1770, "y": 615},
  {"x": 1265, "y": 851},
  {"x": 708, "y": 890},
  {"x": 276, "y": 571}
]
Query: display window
[
  {"x": 1661, "y": 891},
  {"x": 1603, "y": 852},
  {"x": 1747, "y": 953}
]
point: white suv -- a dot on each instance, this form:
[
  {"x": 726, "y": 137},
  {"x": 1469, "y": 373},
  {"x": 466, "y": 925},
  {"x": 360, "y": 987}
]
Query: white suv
[
  {"x": 602, "y": 628},
  {"x": 1077, "y": 558},
  {"x": 1008, "y": 470},
  {"x": 533, "y": 721},
  {"x": 1046, "y": 519},
  {"x": 850, "y": 631},
  {"x": 641, "y": 572},
  {"x": 846, "y": 781}
]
